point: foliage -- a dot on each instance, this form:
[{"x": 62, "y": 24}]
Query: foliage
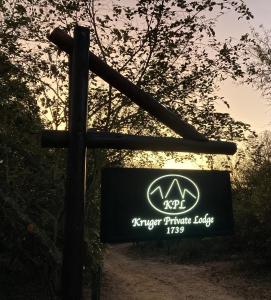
[
  {"x": 169, "y": 48},
  {"x": 258, "y": 61},
  {"x": 252, "y": 198},
  {"x": 31, "y": 190},
  {"x": 174, "y": 55}
]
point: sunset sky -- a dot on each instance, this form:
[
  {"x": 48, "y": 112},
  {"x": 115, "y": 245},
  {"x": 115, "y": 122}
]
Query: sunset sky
[{"x": 246, "y": 104}]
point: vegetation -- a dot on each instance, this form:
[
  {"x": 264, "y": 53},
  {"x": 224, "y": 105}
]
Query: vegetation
[
  {"x": 167, "y": 47},
  {"x": 31, "y": 192},
  {"x": 252, "y": 199},
  {"x": 258, "y": 62}
]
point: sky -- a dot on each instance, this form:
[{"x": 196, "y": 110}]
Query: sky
[{"x": 246, "y": 104}]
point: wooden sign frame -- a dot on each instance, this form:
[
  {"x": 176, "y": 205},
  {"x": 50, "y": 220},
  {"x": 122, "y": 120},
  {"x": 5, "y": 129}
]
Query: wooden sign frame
[{"x": 78, "y": 139}]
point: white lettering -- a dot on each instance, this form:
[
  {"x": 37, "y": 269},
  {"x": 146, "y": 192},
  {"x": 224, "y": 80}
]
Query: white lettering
[
  {"x": 167, "y": 204},
  {"x": 136, "y": 222},
  {"x": 175, "y": 230},
  {"x": 174, "y": 204},
  {"x": 182, "y": 205},
  {"x": 204, "y": 220},
  {"x": 176, "y": 221},
  {"x": 150, "y": 224}
]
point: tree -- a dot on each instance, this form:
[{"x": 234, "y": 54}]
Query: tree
[
  {"x": 30, "y": 191},
  {"x": 252, "y": 198},
  {"x": 258, "y": 61},
  {"x": 169, "y": 48}
]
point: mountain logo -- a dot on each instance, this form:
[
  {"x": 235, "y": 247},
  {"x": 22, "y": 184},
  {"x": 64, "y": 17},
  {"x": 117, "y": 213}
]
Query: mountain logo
[{"x": 173, "y": 194}]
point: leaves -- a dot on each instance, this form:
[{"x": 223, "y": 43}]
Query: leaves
[
  {"x": 31, "y": 189},
  {"x": 252, "y": 196},
  {"x": 257, "y": 59}
]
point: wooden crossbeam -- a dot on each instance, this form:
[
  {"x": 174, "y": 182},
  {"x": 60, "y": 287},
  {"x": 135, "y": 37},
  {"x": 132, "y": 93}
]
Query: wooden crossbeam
[{"x": 60, "y": 139}]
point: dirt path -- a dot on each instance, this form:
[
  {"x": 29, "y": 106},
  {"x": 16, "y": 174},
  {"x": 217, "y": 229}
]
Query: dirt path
[{"x": 140, "y": 279}]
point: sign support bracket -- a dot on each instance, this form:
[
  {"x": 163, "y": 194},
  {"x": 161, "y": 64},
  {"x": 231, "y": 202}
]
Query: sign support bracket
[{"x": 77, "y": 139}]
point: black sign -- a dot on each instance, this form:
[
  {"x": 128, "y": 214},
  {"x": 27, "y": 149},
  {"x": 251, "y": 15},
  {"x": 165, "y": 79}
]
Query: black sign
[{"x": 155, "y": 204}]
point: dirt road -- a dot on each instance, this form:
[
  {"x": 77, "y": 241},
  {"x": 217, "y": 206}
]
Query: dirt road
[{"x": 130, "y": 278}]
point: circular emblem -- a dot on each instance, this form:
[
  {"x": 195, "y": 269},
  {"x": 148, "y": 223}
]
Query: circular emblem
[{"x": 173, "y": 194}]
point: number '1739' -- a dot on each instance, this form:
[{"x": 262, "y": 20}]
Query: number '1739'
[{"x": 175, "y": 229}]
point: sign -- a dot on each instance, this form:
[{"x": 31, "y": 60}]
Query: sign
[{"x": 155, "y": 204}]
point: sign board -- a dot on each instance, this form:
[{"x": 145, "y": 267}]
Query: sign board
[{"x": 155, "y": 204}]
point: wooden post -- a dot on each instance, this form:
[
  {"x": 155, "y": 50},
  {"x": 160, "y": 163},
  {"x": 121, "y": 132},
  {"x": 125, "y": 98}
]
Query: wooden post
[{"x": 76, "y": 170}]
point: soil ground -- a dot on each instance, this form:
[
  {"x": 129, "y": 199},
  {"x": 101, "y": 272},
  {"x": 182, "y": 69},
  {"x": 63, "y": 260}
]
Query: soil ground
[{"x": 127, "y": 276}]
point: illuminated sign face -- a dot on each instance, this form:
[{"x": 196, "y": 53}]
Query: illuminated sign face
[{"x": 151, "y": 204}]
